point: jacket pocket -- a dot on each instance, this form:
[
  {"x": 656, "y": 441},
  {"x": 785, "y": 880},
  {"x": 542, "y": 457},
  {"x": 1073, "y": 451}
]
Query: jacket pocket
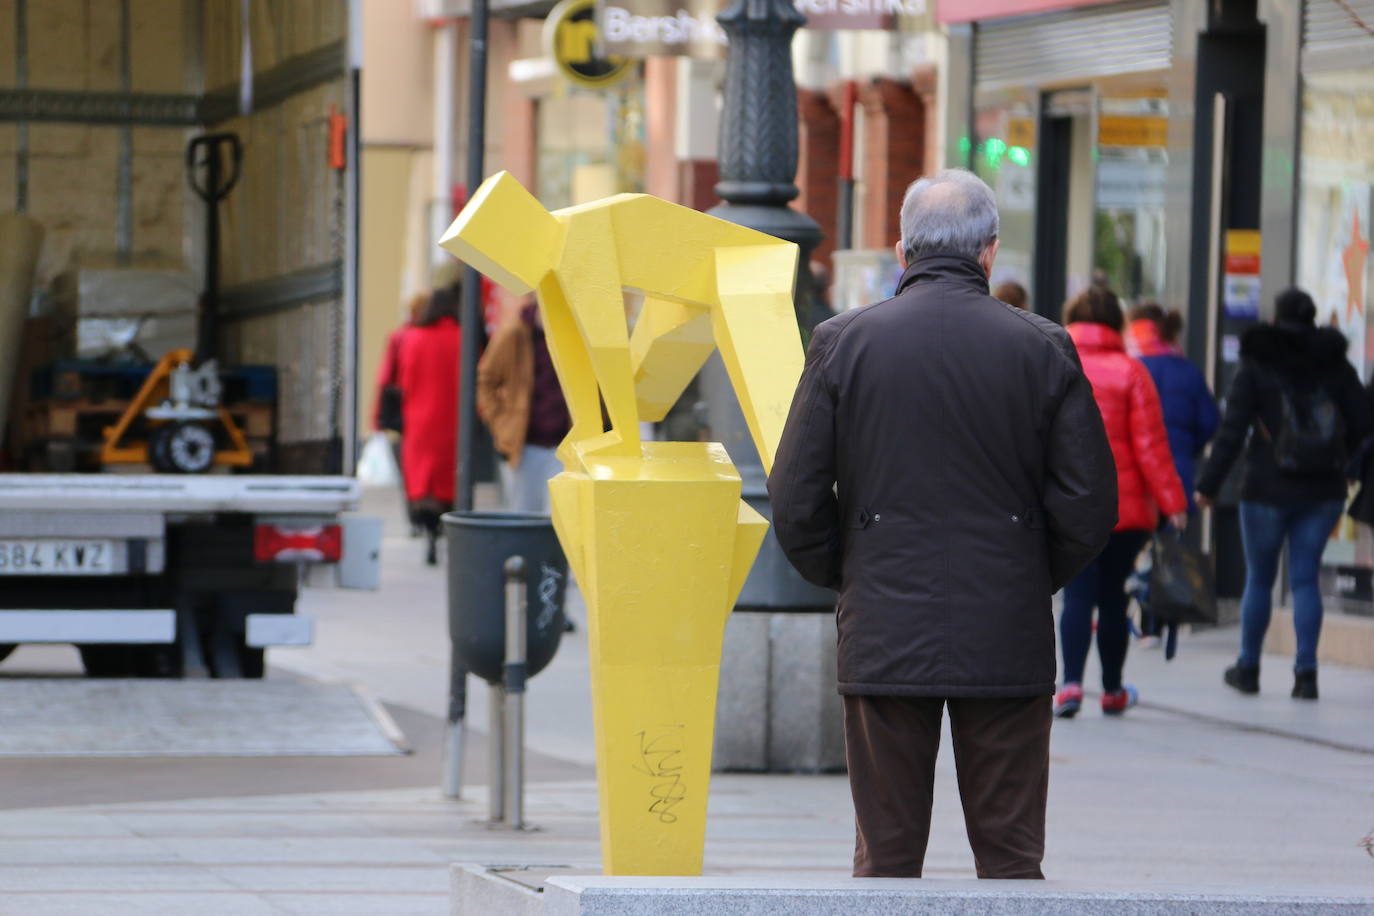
[{"x": 860, "y": 518}]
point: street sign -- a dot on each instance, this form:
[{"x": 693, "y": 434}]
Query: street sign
[
  {"x": 665, "y": 28},
  {"x": 575, "y": 43}
]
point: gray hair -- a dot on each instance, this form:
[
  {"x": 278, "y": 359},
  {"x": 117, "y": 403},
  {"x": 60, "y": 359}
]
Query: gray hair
[{"x": 954, "y": 211}]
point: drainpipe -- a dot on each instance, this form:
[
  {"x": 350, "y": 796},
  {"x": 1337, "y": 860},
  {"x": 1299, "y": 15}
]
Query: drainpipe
[
  {"x": 844, "y": 230},
  {"x": 441, "y": 192}
]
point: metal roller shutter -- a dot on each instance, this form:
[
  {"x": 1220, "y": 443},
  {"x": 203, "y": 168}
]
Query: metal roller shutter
[
  {"x": 1077, "y": 44},
  {"x": 1337, "y": 35}
]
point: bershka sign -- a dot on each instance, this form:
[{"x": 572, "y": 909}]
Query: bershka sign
[
  {"x": 647, "y": 28},
  {"x": 628, "y": 28}
]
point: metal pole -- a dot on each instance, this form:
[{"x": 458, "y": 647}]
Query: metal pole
[
  {"x": 472, "y": 313},
  {"x": 496, "y": 747},
  {"x": 758, "y": 168},
  {"x": 453, "y": 738},
  {"x": 441, "y": 189},
  {"x": 844, "y": 230},
  {"x": 513, "y": 730},
  {"x": 467, "y": 375}
]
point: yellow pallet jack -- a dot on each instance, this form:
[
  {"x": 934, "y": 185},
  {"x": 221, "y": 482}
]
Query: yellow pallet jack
[{"x": 181, "y": 401}]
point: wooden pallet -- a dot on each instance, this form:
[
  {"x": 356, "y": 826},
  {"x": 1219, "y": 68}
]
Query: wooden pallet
[{"x": 66, "y": 434}]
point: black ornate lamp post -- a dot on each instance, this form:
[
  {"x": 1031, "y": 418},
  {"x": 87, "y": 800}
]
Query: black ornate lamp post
[
  {"x": 758, "y": 167},
  {"x": 758, "y": 130}
]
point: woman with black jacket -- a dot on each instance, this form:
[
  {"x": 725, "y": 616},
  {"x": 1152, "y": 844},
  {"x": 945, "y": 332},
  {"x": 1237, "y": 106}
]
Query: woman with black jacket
[{"x": 1301, "y": 405}]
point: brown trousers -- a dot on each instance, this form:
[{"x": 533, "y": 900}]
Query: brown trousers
[{"x": 1001, "y": 753}]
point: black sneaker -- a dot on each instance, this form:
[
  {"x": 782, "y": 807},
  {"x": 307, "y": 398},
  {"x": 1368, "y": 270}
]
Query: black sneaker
[
  {"x": 1305, "y": 685},
  {"x": 1244, "y": 678}
]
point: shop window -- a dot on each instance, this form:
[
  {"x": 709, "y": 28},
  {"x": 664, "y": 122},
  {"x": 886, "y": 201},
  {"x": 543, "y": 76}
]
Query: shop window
[{"x": 1333, "y": 264}]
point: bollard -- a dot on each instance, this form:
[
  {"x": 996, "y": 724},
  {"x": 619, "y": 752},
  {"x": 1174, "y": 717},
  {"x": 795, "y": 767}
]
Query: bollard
[
  {"x": 496, "y": 754},
  {"x": 456, "y": 728},
  {"x": 513, "y": 690}
]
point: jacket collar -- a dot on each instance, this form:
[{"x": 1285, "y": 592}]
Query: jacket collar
[
  {"x": 1088, "y": 335},
  {"x": 1142, "y": 339},
  {"x": 939, "y": 265}
]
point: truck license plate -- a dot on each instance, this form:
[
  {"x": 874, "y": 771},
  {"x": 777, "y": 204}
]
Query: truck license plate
[{"x": 56, "y": 558}]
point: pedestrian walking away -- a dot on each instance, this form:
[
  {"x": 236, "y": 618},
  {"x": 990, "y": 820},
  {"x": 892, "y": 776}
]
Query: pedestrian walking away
[
  {"x": 1298, "y": 403},
  {"x": 944, "y": 467},
  {"x": 387, "y": 412},
  {"x": 519, "y": 400},
  {"x": 1146, "y": 483},
  {"x": 1190, "y": 411},
  {"x": 427, "y": 367}
]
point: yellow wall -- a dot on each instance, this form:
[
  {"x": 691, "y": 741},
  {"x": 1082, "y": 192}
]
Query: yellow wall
[{"x": 386, "y": 229}]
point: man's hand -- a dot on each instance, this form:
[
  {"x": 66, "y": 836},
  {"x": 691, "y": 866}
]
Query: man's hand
[
  {"x": 1203, "y": 501},
  {"x": 1178, "y": 521}
]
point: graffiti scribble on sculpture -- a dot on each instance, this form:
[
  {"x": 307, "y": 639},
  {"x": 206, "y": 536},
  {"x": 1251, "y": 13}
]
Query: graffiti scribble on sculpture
[{"x": 660, "y": 754}]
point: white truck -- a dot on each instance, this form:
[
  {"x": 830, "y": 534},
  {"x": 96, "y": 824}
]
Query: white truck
[{"x": 163, "y": 574}]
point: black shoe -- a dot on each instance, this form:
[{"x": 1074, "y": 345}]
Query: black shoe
[
  {"x": 1305, "y": 685},
  {"x": 1246, "y": 679}
]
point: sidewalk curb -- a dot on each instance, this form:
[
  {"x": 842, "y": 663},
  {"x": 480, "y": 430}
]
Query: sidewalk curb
[{"x": 483, "y": 890}]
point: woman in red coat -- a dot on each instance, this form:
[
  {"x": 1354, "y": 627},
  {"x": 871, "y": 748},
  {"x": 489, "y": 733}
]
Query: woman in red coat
[
  {"x": 1146, "y": 483},
  {"x": 427, "y": 374}
]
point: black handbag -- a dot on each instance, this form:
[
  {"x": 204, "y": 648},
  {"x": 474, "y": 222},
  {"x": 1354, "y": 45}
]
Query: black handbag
[
  {"x": 1181, "y": 587},
  {"x": 389, "y": 410}
]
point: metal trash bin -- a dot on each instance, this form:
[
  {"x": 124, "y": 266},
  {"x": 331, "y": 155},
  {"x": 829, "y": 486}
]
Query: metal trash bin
[{"x": 479, "y": 543}]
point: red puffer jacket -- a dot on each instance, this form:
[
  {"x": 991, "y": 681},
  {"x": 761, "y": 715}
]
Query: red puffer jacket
[{"x": 1146, "y": 479}]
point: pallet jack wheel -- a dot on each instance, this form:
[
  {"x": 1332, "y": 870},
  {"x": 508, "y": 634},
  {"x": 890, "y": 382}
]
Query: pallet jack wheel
[
  {"x": 157, "y": 449},
  {"x": 185, "y": 448}
]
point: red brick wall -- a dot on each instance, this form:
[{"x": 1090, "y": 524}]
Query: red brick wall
[
  {"x": 818, "y": 164},
  {"x": 894, "y": 155}
]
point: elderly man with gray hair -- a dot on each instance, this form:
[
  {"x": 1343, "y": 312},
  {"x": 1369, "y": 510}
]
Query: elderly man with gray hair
[{"x": 945, "y": 468}]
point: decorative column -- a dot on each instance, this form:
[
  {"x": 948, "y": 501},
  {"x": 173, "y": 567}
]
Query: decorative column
[
  {"x": 818, "y": 164},
  {"x": 894, "y": 155},
  {"x": 777, "y": 708}
]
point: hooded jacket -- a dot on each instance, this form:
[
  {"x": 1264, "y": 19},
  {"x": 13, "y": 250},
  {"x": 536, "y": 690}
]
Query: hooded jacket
[
  {"x": 1190, "y": 411},
  {"x": 1272, "y": 356},
  {"x": 945, "y": 468},
  {"x": 1146, "y": 480}
]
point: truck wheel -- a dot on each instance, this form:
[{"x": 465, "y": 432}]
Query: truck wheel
[
  {"x": 230, "y": 658},
  {"x": 107, "y": 661},
  {"x": 157, "y": 449},
  {"x": 6, "y": 649}
]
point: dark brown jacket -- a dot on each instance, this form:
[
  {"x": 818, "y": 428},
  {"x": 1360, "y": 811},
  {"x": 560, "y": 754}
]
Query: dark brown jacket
[{"x": 945, "y": 467}]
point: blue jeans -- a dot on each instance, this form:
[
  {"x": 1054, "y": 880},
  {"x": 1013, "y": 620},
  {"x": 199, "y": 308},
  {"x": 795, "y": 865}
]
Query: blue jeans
[
  {"x": 1263, "y": 528},
  {"x": 1101, "y": 585}
]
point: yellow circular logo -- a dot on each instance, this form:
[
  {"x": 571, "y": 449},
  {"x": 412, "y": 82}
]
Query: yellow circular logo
[{"x": 574, "y": 42}]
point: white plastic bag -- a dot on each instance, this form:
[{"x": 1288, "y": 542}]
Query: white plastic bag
[{"x": 377, "y": 463}]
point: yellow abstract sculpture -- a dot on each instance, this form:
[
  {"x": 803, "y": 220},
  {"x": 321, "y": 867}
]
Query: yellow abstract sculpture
[{"x": 655, "y": 531}]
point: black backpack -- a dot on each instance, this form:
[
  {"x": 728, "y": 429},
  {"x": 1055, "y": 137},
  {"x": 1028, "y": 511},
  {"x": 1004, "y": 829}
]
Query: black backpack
[{"x": 1310, "y": 439}]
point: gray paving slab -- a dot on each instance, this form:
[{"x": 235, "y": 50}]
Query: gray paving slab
[
  {"x": 392, "y": 904},
  {"x": 79, "y": 850},
  {"x": 230, "y": 903},
  {"x": 44, "y": 717},
  {"x": 287, "y": 878},
  {"x": 116, "y": 878},
  {"x": 299, "y": 850},
  {"x": 1191, "y": 685}
]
